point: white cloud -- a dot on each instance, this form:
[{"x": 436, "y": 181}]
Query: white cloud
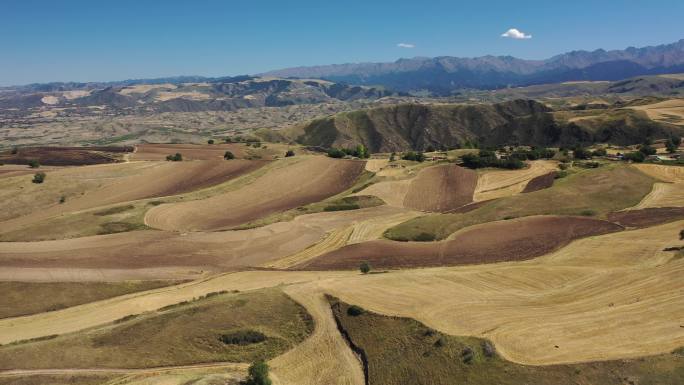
[
  {"x": 406, "y": 45},
  {"x": 514, "y": 33}
]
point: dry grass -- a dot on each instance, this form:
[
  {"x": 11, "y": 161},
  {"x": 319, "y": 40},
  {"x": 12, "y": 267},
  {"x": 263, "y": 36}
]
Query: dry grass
[
  {"x": 669, "y": 111},
  {"x": 604, "y": 297},
  {"x": 23, "y": 298},
  {"x": 183, "y": 335}
]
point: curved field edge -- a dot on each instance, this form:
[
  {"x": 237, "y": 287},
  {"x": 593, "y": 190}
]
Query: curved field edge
[
  {"x": 606, "y": 297},
  {"x": 399, "y": 350},
  {"x": 260, "y": 325},
  {"x": 594, "y": 192}
]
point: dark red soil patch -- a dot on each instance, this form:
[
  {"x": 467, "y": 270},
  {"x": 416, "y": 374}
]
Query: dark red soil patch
[
  {"x": 441, "y": 188},
  {"x": 512, "y": 240},
  {"x": 540, "y": 182},
  {"x": 65, "y": 156},
  {"x": 647, "y": 217}
]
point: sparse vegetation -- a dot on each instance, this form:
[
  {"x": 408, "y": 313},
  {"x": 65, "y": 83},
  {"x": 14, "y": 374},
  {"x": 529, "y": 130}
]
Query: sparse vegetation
[
  {"x": 38, "y": 177},
  {"x": 177, "y": 157},
  {"x": 365, "y": 268}
]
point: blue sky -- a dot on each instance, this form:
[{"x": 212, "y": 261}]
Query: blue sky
[{"x": 91, "y": 40}]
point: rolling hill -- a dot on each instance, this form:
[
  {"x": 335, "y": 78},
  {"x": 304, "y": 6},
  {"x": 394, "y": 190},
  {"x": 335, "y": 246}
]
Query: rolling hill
[{"x": 418, "y": 126}]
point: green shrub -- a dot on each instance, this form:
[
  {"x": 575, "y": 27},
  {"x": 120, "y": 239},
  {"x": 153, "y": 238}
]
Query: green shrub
[
  {"x": 15, "y": 150},
  {"x": 636, "y": 156},
  {"x": 33, "y": 163},
  {"x": 62, "y": 199},
  {"x": 355, "y": 311},
  {"x": 177, "y": 157},
  {"x": 587, "y": 213},
  {"x": 228, "y": 155},
  {"x": 647, "y": 150},
  {"x": 39, "y": 177},
  {"x": 414, "y": 156},
  {"x": 581, "y": 153},
  {"x": 242, "y": 337},
  {"x": 258, "y": 374},
  {"x": 210, "y": 141},
  {"x": 424, "y": 237},
  {"x": 289, "y": 153},
  {"x": 365, "y": 267},
  {"x": 599, "y": 152}
]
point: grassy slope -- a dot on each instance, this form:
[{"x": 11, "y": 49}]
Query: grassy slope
[
  {"x": 182, "y": 335},
  {"x": 599, "y": 191},
  {"x": 404, "y": 351},
  {"x": 94, "y": 379},
  {"x": 23, "y": 298}
]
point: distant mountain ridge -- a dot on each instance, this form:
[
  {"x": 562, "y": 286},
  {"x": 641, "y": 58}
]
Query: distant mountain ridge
[{"x": 445, "y": 74}]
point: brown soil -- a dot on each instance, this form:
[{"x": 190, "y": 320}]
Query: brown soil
[
  {"x": 647, "y": 217},
  {"x": 189, "y": 151},
  {"x": 283, "y": 188},
  {"x": 65, "y": 156},
  {"x": 539, "y": 183},
  {"x": 441, "y": 188},
  {"x": 511, "y": 240}
]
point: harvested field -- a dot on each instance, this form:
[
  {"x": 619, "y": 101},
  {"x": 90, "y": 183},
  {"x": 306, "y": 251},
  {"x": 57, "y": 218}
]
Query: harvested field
[
  {"x": 152, "y": 340},
  {"x": 88, "y": 187},
  {"x": 375, "y": 165},
  {"x": 595, "y": 192},
  {"x": 498, "y": 184},
  {"x": 441, "y": 188},
  {"x": 663, "y": 195},
  {"x": 391, "y": 192},
  {"x": 403, "y": 351},
  {"x": 295, "y": 183},
  {"x": 647, "y": 217},
  {"x": 189, "y": 151},
  {"x": 511, "y": 240},
  {"x": 23, "y": 298},
  {"x": 671, "y": 174},
  {"x": 172, "y": 255},
  {"x": 540, "y": 182},
  {"x": 606, "y": 297},
  {"x": 668, "y": 111},
  {"x": 65, "y": 156}
]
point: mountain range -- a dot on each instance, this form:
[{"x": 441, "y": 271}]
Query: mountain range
[{"x": 445, "y": 74}]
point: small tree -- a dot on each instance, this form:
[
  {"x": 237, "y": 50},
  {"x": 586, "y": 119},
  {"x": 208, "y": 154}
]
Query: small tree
[
  {"x": 15, "y": 150},
  {"x": 365, "y": 267},
  {"x": 210, "y": 141},
  {"x": 258, "y": 374},
  {"x": 671, "y": 146},
  {"x": 228, "y": 155},
  {"x": 39, "y": 177},
  {"x": 393, "y": 157},
  {"x": 289, "y": 153},
  {"x": 33, "y": 163},
  {"x": 177, "y": 157},
  {"x": 62, "y": 199},
  {"x": 647, "y": 150}
]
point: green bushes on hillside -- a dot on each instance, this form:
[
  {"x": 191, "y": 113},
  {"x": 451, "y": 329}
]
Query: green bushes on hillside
[
  {"x": 414, "y": 156},
  {"x": 359, "y": 151},
  {"x": 488, "y": 159}
]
